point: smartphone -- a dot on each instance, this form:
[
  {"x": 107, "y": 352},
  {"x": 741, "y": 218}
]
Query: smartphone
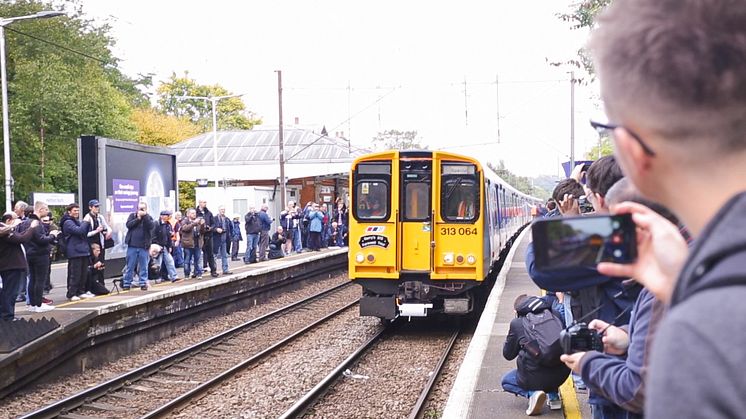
[{"x": 571, "y": 242}]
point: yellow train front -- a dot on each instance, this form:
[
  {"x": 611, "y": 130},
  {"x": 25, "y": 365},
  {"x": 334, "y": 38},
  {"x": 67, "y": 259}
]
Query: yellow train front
[{"x": 426, "y": 230}]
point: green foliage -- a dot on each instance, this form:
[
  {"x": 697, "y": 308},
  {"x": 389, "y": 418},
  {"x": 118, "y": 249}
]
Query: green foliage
[
  {"x": 398, "y": 140},
  {"x": 584, "y": 13},
  {"x": 231, "y": 112},
  {"x": 56, "y": 95},
  {"x": 524, "y": 184},
  {"x": 603, "y": 148},
  {"x": 187, "y": 195}
]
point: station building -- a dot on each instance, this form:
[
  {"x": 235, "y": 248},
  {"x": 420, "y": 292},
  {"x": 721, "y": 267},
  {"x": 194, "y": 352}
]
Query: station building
[{"x": 246, "y": 167}]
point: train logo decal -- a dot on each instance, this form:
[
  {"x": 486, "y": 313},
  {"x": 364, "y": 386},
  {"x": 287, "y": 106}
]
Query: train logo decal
[
  {"x": 375, "y": 229},
  {"x": 374, "y": 240}
]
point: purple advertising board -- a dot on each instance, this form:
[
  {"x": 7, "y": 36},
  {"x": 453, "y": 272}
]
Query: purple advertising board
[{"x": 126, "y": 195}]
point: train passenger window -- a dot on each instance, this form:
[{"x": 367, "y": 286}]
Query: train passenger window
[
  {"x": 417, "y": 201},
  {"x": 371, "y": 200},
  {"x": 459, "y": 194}
]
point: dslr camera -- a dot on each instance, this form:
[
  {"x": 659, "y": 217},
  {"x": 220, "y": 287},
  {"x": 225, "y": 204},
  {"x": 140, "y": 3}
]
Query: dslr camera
[{"x": 579, "y": 338}]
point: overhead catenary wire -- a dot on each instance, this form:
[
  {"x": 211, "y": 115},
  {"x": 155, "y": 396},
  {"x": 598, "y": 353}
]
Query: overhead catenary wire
[{"x": 90, "y": 57}]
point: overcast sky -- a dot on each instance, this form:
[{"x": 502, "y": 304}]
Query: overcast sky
[{"x": 384, "y": 65}]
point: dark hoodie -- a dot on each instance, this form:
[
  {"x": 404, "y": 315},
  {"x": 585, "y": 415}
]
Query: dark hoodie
[
  {"x": 531, "y": 375},
  {"x": 700, "y": 349}
]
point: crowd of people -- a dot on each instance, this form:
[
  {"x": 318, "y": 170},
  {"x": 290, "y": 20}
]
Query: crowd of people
[
  {"x": 156, "y": 248},
  {"x": 673, "y": 80}
]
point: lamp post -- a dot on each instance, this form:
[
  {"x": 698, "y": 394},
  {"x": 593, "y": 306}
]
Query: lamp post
[
  {"x": 4, "y": 80},
  {"x": 214, "y": 100}
]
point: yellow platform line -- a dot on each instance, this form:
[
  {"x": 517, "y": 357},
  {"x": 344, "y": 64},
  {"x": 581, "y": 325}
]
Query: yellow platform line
[{"x": 570, "y": 405}]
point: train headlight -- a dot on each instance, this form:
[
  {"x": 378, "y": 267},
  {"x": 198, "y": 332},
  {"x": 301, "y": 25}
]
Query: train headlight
[
  {"x": 448, "y": 258},
  {"x": 471, "y": 260},
  {"x": 359, "y": 258},
  {"x": 459, "y": 259},
  {"x": 371, "y": 258}
]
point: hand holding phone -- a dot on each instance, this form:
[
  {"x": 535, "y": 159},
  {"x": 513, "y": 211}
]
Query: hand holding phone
[
  {"x": 657, "y": 266},
  {"x": 572, "y": 242}
]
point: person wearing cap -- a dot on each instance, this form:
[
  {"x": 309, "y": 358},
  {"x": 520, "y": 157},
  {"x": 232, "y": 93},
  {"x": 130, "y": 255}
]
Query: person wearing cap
[
  {"x": 99, "y": 230},
  {"x": 236, "y": 236},
  {"x": 163, "y": 234}
]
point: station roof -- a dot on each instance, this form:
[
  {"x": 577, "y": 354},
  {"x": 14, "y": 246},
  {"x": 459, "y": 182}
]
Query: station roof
[{"x": 254, "y": 155}]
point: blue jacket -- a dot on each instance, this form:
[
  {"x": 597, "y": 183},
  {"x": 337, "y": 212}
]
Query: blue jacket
[
  {"x": 236, "y": 231},
  {"x": 266, "y": 221},
  {"x": 579, "y": 278},
  {"x": 316, "y": 219},
  {"x": 76, "y": 234},
  {"x": 219, "y": 239},
  {"x": 618, "y": 379}
]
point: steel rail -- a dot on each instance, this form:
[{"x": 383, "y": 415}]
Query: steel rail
[
  {"x": 86, "y": 396},
  {"x": 304, "y": 402},
  {"x": 207, "y": 385},
  {"x": 417, "y": 409}
]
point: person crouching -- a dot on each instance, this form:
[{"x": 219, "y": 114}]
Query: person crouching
[{"x": 534, "y": 339}]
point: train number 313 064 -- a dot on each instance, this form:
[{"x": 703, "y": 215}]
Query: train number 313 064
[{"x": 453, "y": 231}]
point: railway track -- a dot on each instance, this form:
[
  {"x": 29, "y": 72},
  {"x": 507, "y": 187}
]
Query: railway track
[
  {"x": 174, "y": 380},
  {"x": 322, "y": 402}
]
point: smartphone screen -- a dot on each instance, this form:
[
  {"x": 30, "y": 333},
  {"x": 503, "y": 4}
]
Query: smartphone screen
[{"x": 570, "y": 242}]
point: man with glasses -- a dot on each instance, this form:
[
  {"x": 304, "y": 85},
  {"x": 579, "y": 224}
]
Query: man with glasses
[{"x": 673, "y": 81}]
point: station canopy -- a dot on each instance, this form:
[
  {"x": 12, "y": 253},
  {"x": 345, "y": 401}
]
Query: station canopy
[{"x": 254, "y": 155}]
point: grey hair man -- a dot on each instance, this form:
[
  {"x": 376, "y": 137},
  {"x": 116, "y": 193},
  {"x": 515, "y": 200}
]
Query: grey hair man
[{"x": 673, "y": 81}]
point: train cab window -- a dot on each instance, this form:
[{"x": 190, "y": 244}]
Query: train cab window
[
  {"x": 459, "y": 194},
  {"x": 371, "y": 198}
]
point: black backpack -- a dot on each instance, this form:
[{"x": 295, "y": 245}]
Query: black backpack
[{"x": 543, "y": 329}]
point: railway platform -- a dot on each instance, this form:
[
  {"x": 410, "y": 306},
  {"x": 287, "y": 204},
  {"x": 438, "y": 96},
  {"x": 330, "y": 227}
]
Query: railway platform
[
  {"x": 477, "y": 392},
  {"x": 101, "y": 323}
]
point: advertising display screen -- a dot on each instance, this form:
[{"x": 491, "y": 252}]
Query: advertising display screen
[{"x": 132, "y": 177}]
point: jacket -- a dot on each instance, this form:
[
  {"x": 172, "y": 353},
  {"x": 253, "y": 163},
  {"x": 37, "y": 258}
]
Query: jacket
[
  {"x": 140, "y": 231},
  {"x": 316, "y": 219},
  {"x": 38, "y": 245},
  {"x": 696, "y": 366},
  {"x": 621, "y": 380},
  {"x": 11, "y": 253},
  {"x": 289, "y": 219},
  {"x": 207, "y": 215},
  {"x": 226, "y": 225},
  {"x": 236, "y": 231},
  {"x": 253, "y": 225},
  {"x": 76, "y": 234},
  {"x": 266, "y": 221},
  {"x": 531, "y": 375},
  {"x": 163, "y": 234},
  {"x": 192, "y": 234}
]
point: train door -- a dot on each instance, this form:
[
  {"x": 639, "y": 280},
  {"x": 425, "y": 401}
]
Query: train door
[{"x": 415, "y": 214}]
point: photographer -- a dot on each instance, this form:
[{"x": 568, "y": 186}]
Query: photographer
[
  {"x": 586, "y": 290},
  {"x": 163, "y": 235},
  {"x": 533, "y": 338},
  {"x": 253, "y": 228},
  {"x": 289, "y": 221},
  {"x": 140, "y": 231},
  {"x": 207, "y": 248},
  {"x": 621, "y": 380},
  {"x": 192, "y": 237},
  {"x": 275, "y": 244},
  {"x": 96, "y": 267}
]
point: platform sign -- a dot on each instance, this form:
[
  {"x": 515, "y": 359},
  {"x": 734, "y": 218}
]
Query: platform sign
[{"x": 61, "y": 199}]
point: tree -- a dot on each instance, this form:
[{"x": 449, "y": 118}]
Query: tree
[
  {"x": 603, "y": 148},
  {"x": 522, "y": 183},
  {"x": 231, "y": 112},
  {"x": 398, "y": 140},
  {"x": 155, "y": 128},
  {"x": 63, "y": 81},
  {"x": 583, "y": 16}
]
